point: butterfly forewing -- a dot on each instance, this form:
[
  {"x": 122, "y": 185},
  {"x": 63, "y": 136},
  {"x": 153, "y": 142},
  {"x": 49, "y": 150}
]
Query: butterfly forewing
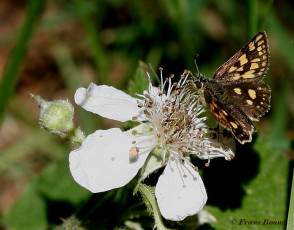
[{"x": 250, "y": 62}]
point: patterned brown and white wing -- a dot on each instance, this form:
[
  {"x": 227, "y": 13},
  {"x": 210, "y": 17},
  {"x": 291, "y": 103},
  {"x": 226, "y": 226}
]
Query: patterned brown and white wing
[
  {"x": 252, "y": 97},
  {"x": 231, "y": 117}
]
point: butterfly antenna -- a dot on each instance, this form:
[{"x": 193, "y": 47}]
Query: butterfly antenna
[{"x": 195, "y": 62}]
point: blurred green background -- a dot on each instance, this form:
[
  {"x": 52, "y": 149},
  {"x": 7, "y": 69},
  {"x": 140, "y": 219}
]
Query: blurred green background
[{"x": 50, "y": 48}]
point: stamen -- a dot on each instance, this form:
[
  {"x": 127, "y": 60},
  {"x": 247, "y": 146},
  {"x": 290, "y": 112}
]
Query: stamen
[
  {"x": 164, "y": 156},
  {"x": 169, "y": 86},
  {"x": 175, "y": 124}
]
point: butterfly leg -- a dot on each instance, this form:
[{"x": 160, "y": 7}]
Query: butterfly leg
[{"x": 215, "y": 132}]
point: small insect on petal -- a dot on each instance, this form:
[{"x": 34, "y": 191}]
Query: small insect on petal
[{"x": 134, "y": 152}]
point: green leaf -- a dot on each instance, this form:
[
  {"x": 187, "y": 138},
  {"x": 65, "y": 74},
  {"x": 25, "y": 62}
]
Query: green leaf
[
  {"x": 29, "y": 212},
  {"x": 38, "y": 206},
  {"x": 56, "y": 183},
  {"x": 265, "y": 196},
  {"x": 139, "y": 82}
]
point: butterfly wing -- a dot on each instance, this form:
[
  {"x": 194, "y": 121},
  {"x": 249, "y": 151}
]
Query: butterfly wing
[
  {"x": 250, "y": 62},
  {"x": 252, "y": 97},
  {"x": 231, "y": 117}
]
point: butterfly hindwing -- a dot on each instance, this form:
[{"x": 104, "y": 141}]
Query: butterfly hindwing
[
  {"x": 251, "y": 96},
  {"x": 250, "y": 62},
  {"x": 231, "y": 117}
]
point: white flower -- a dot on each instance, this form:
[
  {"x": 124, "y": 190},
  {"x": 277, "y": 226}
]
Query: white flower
[{"x": 172, "y": 128}]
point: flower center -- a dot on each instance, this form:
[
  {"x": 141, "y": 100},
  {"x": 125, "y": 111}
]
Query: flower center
[
  {"x": 174, "y": 116},
  {"x": 176, "y": 121}
]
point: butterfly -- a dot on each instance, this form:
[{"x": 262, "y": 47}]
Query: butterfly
[{"x": 237, "y": 95}]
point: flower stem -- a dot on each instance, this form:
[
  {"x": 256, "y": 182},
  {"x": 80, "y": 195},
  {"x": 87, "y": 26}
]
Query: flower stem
[
  {"x": 150, "y": 202},
  {"x": 75, "y": 137}
]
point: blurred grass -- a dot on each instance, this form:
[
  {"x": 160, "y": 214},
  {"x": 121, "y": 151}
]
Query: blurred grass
[
  {"x": 252, "y": 18},
  {"x": 103, "y": 42},
  {"x": 92, "y": 35},
  {"x": 10, "y": 75}
]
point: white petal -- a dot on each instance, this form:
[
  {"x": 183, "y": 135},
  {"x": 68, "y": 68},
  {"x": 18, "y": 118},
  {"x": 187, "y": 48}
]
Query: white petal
[
  {"x": 205, "y": 217},
  {"x": 108, "y": 102},
  {"x": 103, "y": 163},
  {"x": 155, "y": 94},
  {"x": 180, "y": 191},
  {"x": 152, "y": 91}
]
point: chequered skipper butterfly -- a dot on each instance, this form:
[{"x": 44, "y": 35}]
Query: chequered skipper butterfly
[{"x": 237, "y": 95}]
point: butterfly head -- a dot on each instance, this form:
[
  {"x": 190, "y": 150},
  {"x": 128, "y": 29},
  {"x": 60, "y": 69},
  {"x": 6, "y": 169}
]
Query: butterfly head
[{"x": 199, "y": 80}]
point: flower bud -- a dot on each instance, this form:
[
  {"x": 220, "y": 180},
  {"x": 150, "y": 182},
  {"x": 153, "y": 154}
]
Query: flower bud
[{"x": 55, "y": 116}]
